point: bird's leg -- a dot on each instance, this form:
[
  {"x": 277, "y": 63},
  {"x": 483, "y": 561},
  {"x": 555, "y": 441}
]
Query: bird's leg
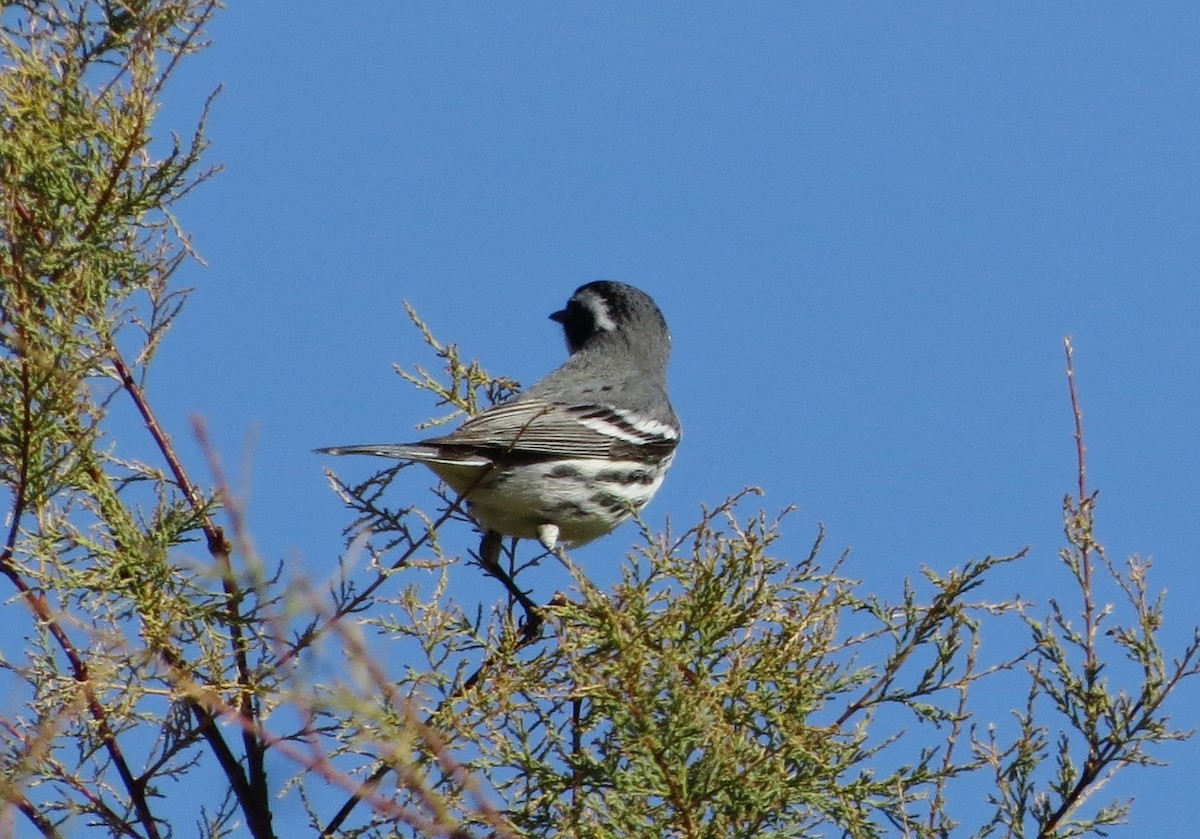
[{"x": 489, "y": 560}]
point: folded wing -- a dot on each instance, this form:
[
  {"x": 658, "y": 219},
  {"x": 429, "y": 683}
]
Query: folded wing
[{"x": 537, "y": 427}]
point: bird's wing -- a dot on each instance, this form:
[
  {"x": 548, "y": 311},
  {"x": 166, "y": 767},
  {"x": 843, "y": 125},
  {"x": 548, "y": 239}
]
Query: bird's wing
[{"x": 535, "y": 426}]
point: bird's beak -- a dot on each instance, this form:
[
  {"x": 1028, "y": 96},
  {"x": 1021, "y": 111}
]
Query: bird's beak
[{"x": 559, "y": 317}]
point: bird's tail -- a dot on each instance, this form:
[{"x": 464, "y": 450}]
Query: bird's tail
[
  {"x": 421, "y": 452},
  {"x": 400, "y": 451}
]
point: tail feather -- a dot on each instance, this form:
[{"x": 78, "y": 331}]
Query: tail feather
[
  {"x": 409, "y": 451},
  {"x": 401, "y": 451}
]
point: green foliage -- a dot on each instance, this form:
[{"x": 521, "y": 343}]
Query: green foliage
[{"x": 726, "y": 687}]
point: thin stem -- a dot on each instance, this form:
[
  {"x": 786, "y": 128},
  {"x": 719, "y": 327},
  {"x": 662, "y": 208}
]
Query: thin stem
[
  {"x": 1084, "y": 513},
  {"x": 253, "y": 795},
  {"x": 79, "y": 670},
  {"x": 41, "y": 610},
  {"x": 530, "y": 632}
]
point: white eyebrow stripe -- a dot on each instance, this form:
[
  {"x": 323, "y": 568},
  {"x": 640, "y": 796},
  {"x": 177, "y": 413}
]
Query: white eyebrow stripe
[{"x": 601, "y": 318}]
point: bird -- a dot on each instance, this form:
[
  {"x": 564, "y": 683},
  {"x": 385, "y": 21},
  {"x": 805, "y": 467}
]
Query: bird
[{"x": 579, "y": 452}]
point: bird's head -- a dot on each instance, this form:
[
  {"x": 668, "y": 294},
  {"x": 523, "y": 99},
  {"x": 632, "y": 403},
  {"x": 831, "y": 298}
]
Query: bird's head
[{"x": 609, "y": 313}]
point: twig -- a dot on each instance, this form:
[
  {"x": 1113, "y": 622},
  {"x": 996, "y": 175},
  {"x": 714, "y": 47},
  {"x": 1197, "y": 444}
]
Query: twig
[
  {"x": 1084, "y": 514},
  {"x": 1077, "y": 412},
  {"x": 41, "y": 610},
  {"x": 353, "y": 605},
  {"x": 530, "y": 631},
  {"x": 252, "y": 793}
]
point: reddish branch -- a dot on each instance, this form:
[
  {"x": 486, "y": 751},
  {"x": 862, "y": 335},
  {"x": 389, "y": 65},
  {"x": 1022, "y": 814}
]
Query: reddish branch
[{"x": 251, "y": 787}]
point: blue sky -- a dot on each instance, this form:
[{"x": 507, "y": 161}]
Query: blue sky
[{"x": 870, "y": 228}]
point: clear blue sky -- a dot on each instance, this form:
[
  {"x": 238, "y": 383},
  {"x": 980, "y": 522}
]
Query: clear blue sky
[{"x": 870, "y": 228}]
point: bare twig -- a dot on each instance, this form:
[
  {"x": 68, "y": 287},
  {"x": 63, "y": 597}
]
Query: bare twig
[{"x": 1084, "y": 516}]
